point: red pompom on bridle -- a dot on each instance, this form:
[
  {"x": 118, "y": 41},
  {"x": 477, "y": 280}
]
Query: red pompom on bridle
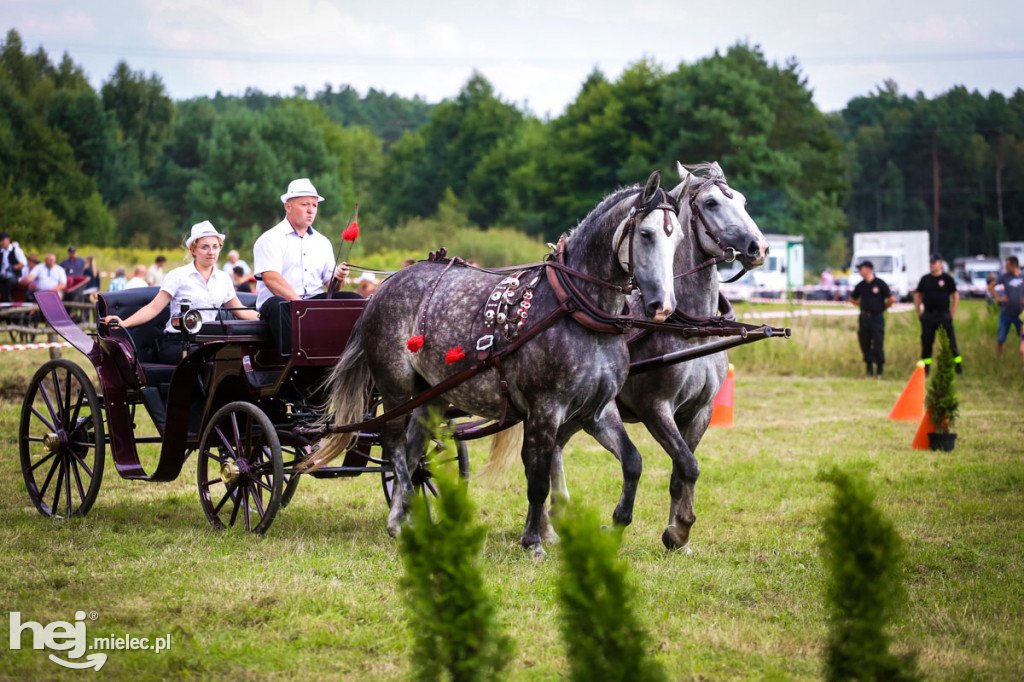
[
  {"x": 454, "y": 355},
  {"x": 414, "y": 343}
]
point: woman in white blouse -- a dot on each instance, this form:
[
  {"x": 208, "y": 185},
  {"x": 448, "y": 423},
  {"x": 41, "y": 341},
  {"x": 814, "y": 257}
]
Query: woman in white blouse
[{"x": 201, "y": 281}]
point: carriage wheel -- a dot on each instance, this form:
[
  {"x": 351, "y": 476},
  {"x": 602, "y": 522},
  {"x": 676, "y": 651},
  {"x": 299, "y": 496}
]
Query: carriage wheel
[
  {"x": 422, "y": 479},
  {"x": 61, "y": 440},
  {"x": 239, "y": 469}
]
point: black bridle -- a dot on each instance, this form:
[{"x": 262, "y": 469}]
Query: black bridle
[
  {"x": 661, "y": 201},
  {"x": 729, "y": 254}
]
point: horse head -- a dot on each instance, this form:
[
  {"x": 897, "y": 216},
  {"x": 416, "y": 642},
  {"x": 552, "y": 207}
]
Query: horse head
[
  {"x": 645, "y": 242},
  {"x": 718, "y": 216}
]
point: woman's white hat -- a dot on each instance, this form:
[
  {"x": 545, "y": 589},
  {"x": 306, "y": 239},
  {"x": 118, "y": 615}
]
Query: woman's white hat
[
  {"x": 300, "y": 188},
  {"x": 200, "y": 230}
]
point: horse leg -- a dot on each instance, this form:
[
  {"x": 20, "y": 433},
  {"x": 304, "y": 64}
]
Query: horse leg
[
  {"x": 685, "y": 470},
  {"x": 539, "y": 443},
  {"x": 609, "y": 431},
  {"x": 392, "y": 437},
  {"x": 422, "y": 428},
  {"x": 559, "y": 494}
]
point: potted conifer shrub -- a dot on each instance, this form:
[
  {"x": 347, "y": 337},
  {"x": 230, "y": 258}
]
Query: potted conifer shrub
[{"x": 941, "y": 398}]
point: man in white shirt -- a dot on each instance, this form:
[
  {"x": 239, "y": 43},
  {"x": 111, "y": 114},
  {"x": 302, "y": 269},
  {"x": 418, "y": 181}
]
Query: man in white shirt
[
  {"x": 138, "y": 279},
  {"x": 12, "y": 266},
  {"x": 293, "y": 261},
  {"x": 233, "y": 262},
  {"x": 48, "y": 276},
  {"x": 155, "y": 274}
]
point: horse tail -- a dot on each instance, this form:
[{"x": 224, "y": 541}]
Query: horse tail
[
  {"x": 506, "y": 445},
  {"x": 348, "y": 389}
]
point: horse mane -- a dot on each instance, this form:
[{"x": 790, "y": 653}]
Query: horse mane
[
  {"x": 705, "y": 175},
  {"x": 604, "y": 207}
]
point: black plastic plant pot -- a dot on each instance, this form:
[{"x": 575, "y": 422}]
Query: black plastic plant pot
[{"x": 942, "y": 441}]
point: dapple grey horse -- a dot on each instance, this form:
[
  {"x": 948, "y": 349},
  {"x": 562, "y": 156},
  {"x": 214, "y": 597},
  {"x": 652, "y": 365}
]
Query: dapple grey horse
[
  {"x": 563, "y": 379},
  {"x": 675, "y": 402}
]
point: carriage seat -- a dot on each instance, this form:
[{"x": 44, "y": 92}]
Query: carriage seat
[{"x": 146, "y": 336}]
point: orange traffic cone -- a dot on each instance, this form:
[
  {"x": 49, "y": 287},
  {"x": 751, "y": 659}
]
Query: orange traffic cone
[
  {"x": 921, "y": 437},
  {"x": 721, "y": 408},
  {"x": 909, "y": 406}
]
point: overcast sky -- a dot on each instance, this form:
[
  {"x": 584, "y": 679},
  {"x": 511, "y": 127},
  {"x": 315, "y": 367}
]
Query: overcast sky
[{"x": 535, "y": 53}]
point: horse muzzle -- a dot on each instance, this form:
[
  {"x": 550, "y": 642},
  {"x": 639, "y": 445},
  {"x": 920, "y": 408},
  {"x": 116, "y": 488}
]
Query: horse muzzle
[{"x": 658, "y": 311}]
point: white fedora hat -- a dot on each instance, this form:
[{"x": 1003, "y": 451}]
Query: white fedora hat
[
  {"x": 200, "y": 230},
  {"x": 300, "y": 188}
]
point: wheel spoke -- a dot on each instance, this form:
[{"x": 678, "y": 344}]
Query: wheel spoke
[
  {"x": 82, "y": 444},
  {"x": 227, "y": 445},
  {"x": 43, "y": 419},
  {"x": 58, "y": 488},
  {"x": 237, "y": 497},
  {"x": 257, "y": 498},
  {"x": 78, "y": 407},
  {"x": 42, "y": 461},
  {"x": 66, "y": 403},
  {"x": 49, "y": 477},
  {"x": 67, "y": 484},
  {"x": 58, "y": 415},
  {"x": 263, "y": 484},
  {"x": 207, "y": 484},
  {"x": 216, "y": 458},
  {"x": 78, "y": 478},
  {"x": 227, "y": 494},
  {"x": 54, "y": 415},
  {"x": 82, "y": 463}
]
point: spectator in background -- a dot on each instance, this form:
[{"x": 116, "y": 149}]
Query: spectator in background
[
  {"x": 73, "y": 265},
  {"x": 138, "y": 279},
  {"x": 47, "y": 276},
  {"x": 12, "y": 266},
  {"x": 1008, "y": 290},
  {"x": 873, "y": 297},
  {"x": 155, "y": 273},
  {"x": 235, "y": 262},
  {"x": 407, "y": 262},
  {"x": 119, "y": 281},
  {"x": 935, "y": 302},
  {"x": 92, "y": 271},
  {"x": 241, "y": 280},
  {"x": 368, "y": 284}
]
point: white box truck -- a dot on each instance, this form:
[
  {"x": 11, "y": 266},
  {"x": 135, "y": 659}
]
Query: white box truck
[
  {"x": 900, "y": 259},
  {"x": 782, "y": 270},
  {"x": 972, "y": 273},
  {"x": 1007, "y": 249}
]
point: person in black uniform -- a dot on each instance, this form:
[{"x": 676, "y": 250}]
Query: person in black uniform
[
  {"x": 873, "y": 297},
  {"x": 935, "y": 301}
]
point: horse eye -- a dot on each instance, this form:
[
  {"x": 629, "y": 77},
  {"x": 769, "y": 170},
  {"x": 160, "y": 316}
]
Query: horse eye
[
  {"x": 711, "y": 203},
  {"x": 647, "y": 233}
]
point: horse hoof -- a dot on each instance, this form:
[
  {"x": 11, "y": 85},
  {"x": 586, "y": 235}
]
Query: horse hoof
[
  {"x": 537, "y": 551},
  {"x": 673, "y": 544}
]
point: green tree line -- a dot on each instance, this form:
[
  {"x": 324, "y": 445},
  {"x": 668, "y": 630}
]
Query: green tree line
[{"x": 129, "y": 165}]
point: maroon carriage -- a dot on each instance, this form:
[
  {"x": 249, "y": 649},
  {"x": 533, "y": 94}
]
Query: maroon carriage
[{"x": 248, "y": 414}]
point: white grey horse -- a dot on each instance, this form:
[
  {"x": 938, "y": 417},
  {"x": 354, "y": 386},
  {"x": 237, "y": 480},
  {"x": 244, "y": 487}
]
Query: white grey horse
[
  {"x": 563, "y": 379},
  {"x": 675, "y": 402}
]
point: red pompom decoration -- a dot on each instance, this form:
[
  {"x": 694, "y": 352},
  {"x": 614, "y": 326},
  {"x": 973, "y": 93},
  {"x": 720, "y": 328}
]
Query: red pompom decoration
[
  {"x": 454, "y": 355},
  {"x": 351, "y": 232},
  {"x": 414, "y": 343}
]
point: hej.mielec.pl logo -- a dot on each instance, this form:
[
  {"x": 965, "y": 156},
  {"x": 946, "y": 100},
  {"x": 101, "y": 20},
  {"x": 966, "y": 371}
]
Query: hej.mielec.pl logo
[{"x": 72, "y": 637}]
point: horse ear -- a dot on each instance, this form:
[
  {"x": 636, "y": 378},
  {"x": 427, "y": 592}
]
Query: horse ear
[
  {"x": 653, "y": 184},
  {"x": 680, "y": 190},
  {"x": 684, "y": 174}
]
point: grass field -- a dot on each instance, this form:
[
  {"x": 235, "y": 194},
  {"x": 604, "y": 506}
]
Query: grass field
[{"x": 317, "y": 597}]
